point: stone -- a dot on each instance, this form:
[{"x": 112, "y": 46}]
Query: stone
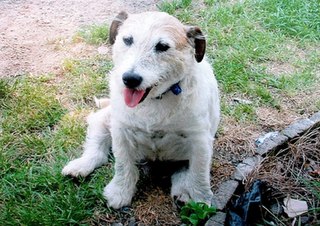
[
  {"x": 271, "y": 144},
  {"x": 276, "y": 208},
  {"x": 297, "y": 128},
  {"x": 223, "y": 194},
  {"x": 315, "y": 117},
  {"x": 260, "y": 140},
  {"x": 246, "y": 167},
  {"x": 217, "y": 220},
  {"x": 116, "y": 224},
  {"x": 242, "y": 101},
  {"x": 132, "y": 222}
]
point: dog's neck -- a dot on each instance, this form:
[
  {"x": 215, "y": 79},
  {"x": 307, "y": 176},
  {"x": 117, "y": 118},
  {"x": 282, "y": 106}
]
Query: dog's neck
[{"x": 175, "y": 89}]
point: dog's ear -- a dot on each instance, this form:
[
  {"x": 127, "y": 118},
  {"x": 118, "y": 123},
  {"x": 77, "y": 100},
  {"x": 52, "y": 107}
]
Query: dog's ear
[
  {"x": 198, "y": 41},
  {"x": 116, "y": 23}
]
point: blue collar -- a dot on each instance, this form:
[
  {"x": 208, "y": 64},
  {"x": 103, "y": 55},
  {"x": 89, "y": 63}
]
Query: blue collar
[{"x": 175, "y": 89}]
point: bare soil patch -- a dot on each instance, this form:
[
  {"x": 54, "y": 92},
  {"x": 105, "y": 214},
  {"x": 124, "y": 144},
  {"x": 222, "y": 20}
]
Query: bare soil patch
[{"x": 36, "y": 36}]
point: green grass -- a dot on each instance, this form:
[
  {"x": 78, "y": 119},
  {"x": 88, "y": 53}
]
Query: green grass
[
  {"x": 240, "y": 112},
  {"x": 87, "y": 78},
  {"x": 171, "y": 6},
  {"x": 297, "y": 18},
  {"x": 314, "y": 188},
  {"x": 42, "y": 118},
  {"x": 181, "y": 7},
  {"x": 38, "y": 135},
  {"x": 244, "y": 39},
  {"x": 94, "y": 34}
]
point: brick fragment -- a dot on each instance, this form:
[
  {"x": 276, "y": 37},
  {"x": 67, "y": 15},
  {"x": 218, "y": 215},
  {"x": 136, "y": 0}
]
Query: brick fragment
[
  {"x": 246, "y": 167},
  {"x": 298, "y": 128},
  {"x": 271, "y": 144},
  {"x": 217, "y": 220},
  {"x": 223, "y": 194}
]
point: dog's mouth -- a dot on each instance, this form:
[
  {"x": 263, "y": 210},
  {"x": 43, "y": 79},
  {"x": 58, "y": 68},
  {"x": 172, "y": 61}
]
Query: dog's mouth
[{"x": 133, "y": 97}]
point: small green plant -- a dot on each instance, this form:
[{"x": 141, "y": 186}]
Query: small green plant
[{"x": 196, "y": 213}]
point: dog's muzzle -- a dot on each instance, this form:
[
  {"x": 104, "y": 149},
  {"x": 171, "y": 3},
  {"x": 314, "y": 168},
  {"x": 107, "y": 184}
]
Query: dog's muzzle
[{"x": 132, "y": 95}]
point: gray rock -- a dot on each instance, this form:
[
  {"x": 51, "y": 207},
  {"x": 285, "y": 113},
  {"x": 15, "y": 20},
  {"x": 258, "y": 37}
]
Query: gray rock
[
  {"x": 276, "y": 209},
  {"x": 241, "y": 101},
  {"x": 132, "y": 222},
  {"x": 298, "y": 128},
  {"x": 316, "y": 117},
  {"x": 223, "y": 194},
  {"x": 246, "y": 167},
  {"x": 271, "y": 144},
  {"x": 260, "y": 140},
  {"x": 116, "y": 224},
  {"x": 217, "y": 220}
]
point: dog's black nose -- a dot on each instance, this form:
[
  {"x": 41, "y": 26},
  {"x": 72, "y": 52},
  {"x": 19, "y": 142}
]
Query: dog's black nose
[{"x": 131, "y": 80}]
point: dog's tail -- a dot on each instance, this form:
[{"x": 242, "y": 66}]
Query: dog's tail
[{"x": 102, "y": 102}]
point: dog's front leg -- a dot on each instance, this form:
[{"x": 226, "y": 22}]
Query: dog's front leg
[
  {"x": 121, "y": 189},
  {"x": 194, "y": 183}
]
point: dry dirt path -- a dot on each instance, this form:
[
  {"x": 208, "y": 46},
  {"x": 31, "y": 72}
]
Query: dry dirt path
[{"x": 36, "y": 35}]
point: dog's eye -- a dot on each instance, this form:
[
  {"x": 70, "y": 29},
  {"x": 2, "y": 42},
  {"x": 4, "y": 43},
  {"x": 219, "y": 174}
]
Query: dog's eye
[
  {"x": 162, "y": 47},
  {"x": 128, "y": 40}
]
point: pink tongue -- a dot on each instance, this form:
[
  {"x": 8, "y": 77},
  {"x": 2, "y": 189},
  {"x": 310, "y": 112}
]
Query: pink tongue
[{"x": 132, "y": 97}]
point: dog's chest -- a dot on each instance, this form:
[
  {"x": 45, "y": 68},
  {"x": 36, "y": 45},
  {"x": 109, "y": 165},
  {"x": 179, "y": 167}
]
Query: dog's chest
[{"x": 162, "y": 145}]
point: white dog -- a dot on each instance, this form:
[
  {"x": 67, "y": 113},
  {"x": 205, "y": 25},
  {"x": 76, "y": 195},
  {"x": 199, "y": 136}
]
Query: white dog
[{"x": 164, "y": 105}]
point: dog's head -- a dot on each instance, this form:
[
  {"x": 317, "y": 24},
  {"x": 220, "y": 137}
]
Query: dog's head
[{"x": 151, "y": 52}]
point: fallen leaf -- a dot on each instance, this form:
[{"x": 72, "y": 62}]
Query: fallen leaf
[{"x": 294, "y": 207}]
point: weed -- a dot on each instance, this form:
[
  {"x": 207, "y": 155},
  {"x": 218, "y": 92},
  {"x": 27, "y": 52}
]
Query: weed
[{"x": 196, "y": 213}]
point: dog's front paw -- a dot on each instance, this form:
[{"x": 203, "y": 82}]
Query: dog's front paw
[
  {"x": 78, "y": 167},
  {"x": 185, "y": 188},
  {"x": 184, "y": 195},
  {"x": 117, "y": 196}
]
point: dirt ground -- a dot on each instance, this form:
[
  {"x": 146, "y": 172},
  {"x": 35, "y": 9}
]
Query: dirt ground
[{"x": 36, "y": 35}]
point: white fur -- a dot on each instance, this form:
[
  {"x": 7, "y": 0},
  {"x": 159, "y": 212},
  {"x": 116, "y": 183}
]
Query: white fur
[{"x": 175, "y": 127}]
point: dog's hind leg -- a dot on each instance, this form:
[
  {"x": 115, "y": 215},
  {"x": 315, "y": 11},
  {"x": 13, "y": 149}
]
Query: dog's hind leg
[{"x": 96, "y": 147}]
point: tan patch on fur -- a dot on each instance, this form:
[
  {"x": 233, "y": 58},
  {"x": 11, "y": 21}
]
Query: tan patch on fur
[
  {"x": 180, "y": 37},
  {"x": 102, "y": 102}
]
